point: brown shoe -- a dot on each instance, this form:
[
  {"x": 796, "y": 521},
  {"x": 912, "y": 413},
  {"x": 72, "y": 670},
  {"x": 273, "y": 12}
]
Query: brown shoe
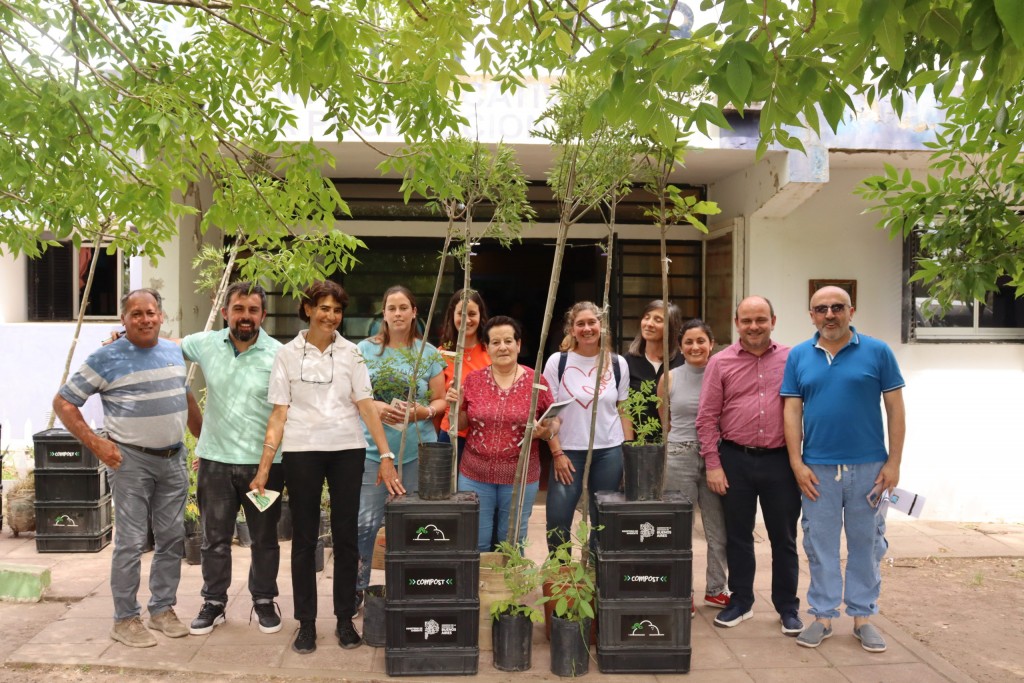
[
  {"x": 132, "y": 633},
  {"x": 167, "y": 622}
]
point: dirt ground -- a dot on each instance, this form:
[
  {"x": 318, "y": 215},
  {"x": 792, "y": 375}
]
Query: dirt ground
[{"x": 969, "y": 611}]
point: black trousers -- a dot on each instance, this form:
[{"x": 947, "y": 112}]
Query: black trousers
[
  {"x": 221, "y": 489},
  {"x": 766, "y": 477},
  {"x": 305, "y": 472}
]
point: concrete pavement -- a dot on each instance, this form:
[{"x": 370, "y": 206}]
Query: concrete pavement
[{"x": 70, "y": 626}]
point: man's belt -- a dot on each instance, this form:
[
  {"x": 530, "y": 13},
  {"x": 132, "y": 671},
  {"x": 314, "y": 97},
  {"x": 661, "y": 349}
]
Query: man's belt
[
  {"x": 754, "y": 450},
  {"x": 158, "y": 452}
]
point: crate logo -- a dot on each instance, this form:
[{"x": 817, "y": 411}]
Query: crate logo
[
  {"x": 649, "y": 530},
  {"x": 430, "y": 532},
  {"x": 64, "y": 520},
  {"x": 64, "y": 454},
  {"x": 431, "y": 582},
  {"x": 432, "y": 627},
  {"x": 645, "y": 578},
  {"x": 645, "y": 629}
]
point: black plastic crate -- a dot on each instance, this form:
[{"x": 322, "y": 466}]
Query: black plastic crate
[
  {"x": 57, "y": 448},
  {"x": 70, "y": 485},
  {"x": 432, "y": 576},
  {"x": 628, "y": 660},
  {"x": 428, "y": 626},
  {"x": 664, "y": 576},
  {"x": 442, "y": 661},
  {"x": 73, "y": 518},
  {"x": 416, "y": 525},
  {"x": 643, "y": 526},
  {"x": 63, "y": 543},
  {"x": 644, "y": 623}
]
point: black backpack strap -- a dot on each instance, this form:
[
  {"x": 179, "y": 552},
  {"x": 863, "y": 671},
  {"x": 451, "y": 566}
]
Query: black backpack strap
[
  {"x": 563, "y": 358},
  {"x": 617, "y": 370}
]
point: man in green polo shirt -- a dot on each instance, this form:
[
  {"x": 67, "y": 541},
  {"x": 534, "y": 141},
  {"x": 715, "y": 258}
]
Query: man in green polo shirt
[{"x": 236, "y": 363}]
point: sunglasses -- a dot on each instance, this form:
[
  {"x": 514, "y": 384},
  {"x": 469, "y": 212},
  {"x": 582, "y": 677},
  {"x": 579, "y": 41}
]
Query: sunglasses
[{"x": 822, "y": 309}]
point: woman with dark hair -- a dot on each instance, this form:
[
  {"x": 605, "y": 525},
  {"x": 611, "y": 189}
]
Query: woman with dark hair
[
  {"x": 390, "y": 358},
  {"x": 494, "y": 411},
  {"x": 320, "y": 390},
  {"x": 571, "y": 374},
  {"x": 685, "y": 470},
  {"x": 475, "y": 357},
  {"x": 646, "y": 352}
]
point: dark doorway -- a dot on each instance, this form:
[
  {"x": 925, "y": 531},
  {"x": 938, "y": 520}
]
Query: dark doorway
[{"x": 514, "y": 282}]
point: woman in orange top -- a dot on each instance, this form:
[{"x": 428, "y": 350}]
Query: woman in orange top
[{"x": 475, "y": 357}]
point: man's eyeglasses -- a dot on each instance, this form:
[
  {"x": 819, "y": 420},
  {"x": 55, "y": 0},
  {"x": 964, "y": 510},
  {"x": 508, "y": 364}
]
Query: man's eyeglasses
[
  {"x": 822, "y": 309},
  {"x": 302, "y": 367}
]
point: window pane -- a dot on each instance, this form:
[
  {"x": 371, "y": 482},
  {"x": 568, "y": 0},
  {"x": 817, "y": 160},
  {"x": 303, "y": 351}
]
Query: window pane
[{"x": 1002, "y": 309}]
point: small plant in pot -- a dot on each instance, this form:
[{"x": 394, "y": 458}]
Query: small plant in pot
[
  {"x": 513, "y": 619},
  {"x": 570, "y": 589},
  {"x": 643, "y": 458}
]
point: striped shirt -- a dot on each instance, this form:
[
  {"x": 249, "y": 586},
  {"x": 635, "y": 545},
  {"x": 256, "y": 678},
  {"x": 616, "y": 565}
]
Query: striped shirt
[{"x": 142, "y": 389}]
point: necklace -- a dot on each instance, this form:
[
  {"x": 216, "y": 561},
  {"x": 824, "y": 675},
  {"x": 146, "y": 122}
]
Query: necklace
[{"x": 509, "y": 377}]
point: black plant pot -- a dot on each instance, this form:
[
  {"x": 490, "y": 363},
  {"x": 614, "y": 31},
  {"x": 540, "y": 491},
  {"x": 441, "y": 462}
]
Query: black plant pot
[
  {"x": 242, "y": 532},
  {"x": 284, "y": 525},
  {"x": 318, "y": 556},
  {"x": 512, "y": 642},
  {"x": 193, "y": 550},
  {"x": 643, "y": 470},
  {"x": 435, "y": 471},
  {"x": 570, "y": 655},
  {"x": 374, "y": 629},
  {"x": 193, "y": 527},
  {"x": 325, "y": 529}
]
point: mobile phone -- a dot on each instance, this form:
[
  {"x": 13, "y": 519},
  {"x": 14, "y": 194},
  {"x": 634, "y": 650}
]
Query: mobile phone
[{"x": 876, "y": 495}]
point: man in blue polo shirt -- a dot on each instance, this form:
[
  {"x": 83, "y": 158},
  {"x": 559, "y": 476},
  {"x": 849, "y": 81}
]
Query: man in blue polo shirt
[
  {"x": 141, "y": 381},
  {"x": 833, "y": 387},
  {"x": 236, "y": 363}
]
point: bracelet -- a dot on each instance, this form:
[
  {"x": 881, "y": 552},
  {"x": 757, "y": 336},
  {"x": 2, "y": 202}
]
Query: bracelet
[
  {"x": 430, "y": 412},
  {"x": 387, "y": 456},
  {"x": 555, "y": 454},
  {"x": 269, "y": 445}
]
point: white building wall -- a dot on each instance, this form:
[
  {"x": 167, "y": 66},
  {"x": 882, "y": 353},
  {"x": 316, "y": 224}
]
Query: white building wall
[
  {"x": 13, "y": 274},
  {"x": 963, "y": 400}
]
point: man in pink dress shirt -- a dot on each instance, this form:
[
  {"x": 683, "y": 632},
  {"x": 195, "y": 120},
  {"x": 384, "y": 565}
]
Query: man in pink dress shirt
[{"x": 740, "y": 428}]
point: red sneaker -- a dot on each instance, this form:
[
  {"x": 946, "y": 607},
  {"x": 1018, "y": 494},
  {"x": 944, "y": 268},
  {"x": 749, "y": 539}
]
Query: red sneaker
[{"x": 721, "y": 600}]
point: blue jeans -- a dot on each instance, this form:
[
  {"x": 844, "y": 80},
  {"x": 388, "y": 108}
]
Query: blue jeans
[
  {"x": 495, "y": 506},
  {"x": 685, "y": 471},
  {"x": 605, "y": 475},
  {"x": 842, "y": 505},
  {"x": 372, "y": 498},
  {"x": 147, "y": 486},
  {"x": 221, "y": 489}
]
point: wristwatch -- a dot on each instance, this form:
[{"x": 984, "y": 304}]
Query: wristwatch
[{"x": 387, "y": 456}]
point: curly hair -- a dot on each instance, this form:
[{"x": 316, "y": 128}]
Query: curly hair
[
  {"x": 569, "y": 342},
  {"x": 320, "y": 290}
]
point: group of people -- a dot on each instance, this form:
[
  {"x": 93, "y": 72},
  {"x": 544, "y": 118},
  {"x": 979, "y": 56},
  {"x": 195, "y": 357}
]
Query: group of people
[{"x": 321, "y": 410}]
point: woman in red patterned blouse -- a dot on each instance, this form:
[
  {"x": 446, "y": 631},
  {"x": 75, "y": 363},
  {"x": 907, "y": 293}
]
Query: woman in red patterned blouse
[{"x": 495, "y": 407}]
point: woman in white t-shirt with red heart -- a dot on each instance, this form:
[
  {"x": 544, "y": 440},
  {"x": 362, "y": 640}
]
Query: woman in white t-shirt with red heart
[{"x": 572, "y": 375}]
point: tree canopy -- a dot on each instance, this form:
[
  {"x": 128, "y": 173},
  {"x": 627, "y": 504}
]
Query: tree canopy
[{"x": 114, "y": 110}]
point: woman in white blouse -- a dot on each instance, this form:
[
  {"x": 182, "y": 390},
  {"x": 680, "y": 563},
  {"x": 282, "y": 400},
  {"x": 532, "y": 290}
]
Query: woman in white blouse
[{"x": 320, "y": 388}]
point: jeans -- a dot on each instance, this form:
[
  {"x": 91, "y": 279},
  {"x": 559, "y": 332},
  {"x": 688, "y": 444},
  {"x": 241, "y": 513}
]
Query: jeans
[
  {"x": 605, "y": 475},
  {"x": 767, "y": 477},
  {"x": 842, "y": 505},
  {"x": 147, "y": 487},
  {"x": 495, "y": 506},
  {"x": 221, "y": 490},
  {"x": 305, "y": 472},
  {"x": 372, "y": 498},
  {"x": 686, "y": 472}
]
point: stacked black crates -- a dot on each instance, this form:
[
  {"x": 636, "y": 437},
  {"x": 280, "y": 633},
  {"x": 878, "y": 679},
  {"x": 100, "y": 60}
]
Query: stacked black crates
[
  {"x": 73, "y": 510},
  {"x": 644, "y": 579},
  {"x": 432, "y": 575}
]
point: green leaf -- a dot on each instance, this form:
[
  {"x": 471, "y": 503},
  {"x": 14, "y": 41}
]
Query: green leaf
[
  {"x": 890, "y": 39},
  {"x": 1011, "y": 14},
  {"x": 945, "y": 24},
  {"x": 871, "y": 14},
  {"x": 739, "y": 76}
]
